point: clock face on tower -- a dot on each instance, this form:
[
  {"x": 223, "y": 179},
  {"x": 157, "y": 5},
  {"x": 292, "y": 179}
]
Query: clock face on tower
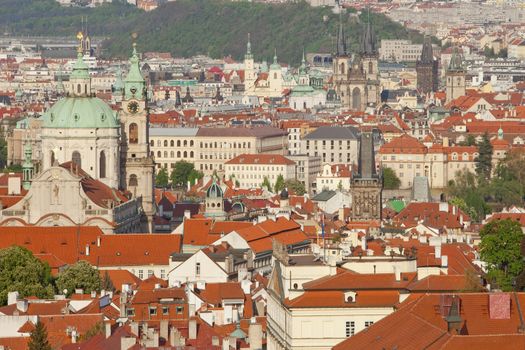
[{"x": 133, "y": 107}]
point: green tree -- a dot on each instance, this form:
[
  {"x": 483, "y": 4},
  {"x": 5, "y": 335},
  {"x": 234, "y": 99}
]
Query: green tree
[
  {"x": 295, "y": 186},
  {"x": 21, "y": 271},
  {"x": 181, "y": 173},
  {"x": 465, "y": 186},
  {"x": 279, "y": 184},
  {"x": 484, "y": 159},
  {"x": 162, "y": 178},
  {"x": 79, "y": 275},
  {"x": 3, "y": 148},
  {"x": 38, "y": 339},
  {"x": 195, "y": 176},
  {"x": 461, "y": 204},
  {"x": 106, "y": 283},
  {"x": 390, "y": 179},
  {"x": 500, "y": 248},
  {"x": 266, "y": 184}
]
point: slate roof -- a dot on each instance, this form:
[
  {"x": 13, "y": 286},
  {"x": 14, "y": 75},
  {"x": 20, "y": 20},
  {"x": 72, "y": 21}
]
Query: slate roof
[{"x": 333, "y": 133}]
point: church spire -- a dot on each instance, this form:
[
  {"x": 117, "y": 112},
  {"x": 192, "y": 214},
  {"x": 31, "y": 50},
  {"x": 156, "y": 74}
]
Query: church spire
[
  {"x": 134, "y": 84},
  {"x": 341, "y": 41},
  {"x": 456, "y": 61},
  {"x": 248, "y": 55},
  {"x": 368, "y": 39},
  {"x": 79, "y": 80}
]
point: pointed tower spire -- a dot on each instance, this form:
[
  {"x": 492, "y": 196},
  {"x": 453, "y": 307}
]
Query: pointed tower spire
[
  {"x": 134, "y": 84},
  {"x": 456, "y": 61},
  {"x": 368, "y": 38},
  {"x": 427, "y": 56},
  {"x": 248, "y": 54},
  {"x": 341, "y": 41}
]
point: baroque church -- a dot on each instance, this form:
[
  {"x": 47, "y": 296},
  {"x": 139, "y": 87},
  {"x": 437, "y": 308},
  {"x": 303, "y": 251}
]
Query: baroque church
[
  {"x": 96, "y": 167},
  {"x": 356, "y": 79}
]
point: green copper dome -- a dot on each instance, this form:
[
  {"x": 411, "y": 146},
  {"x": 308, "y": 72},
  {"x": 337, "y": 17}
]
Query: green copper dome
[
  {"x": 80, "y": 69},
  {"x": 80, "y": 112}
]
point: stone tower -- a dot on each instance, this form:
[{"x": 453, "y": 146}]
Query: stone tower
[
  {"x": 427, "y": 70},
  {"x": 137, "y": 164},
  {"x": 340, "y": 64},
  {"x": 250, "y": 75},
  {"x": 455, "y": 77},
  {"x": 367, "y": 185}
]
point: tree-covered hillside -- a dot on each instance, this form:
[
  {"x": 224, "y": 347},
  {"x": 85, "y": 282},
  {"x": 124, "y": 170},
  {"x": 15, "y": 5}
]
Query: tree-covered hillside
[{"x": 189, "y": 27}]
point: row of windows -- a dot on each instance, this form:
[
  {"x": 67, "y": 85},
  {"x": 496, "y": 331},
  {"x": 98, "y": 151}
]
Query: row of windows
[
  {"x": 160, "y": 143},
  {"x": 350, "y": 327},
  {"x": 172, "y": 154},
  {"x": 130, "y": 312},
  {"x": 150, "y": 273},
  {"x": 256, "y": 168}
]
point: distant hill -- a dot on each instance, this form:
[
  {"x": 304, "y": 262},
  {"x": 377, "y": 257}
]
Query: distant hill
[{"x": 189, "y": 27}]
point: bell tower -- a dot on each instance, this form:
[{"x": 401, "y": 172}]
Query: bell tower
[{"x": 137, "y": 164}]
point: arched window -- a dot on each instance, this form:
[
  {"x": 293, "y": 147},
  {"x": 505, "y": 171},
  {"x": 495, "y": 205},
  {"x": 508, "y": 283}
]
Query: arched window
[
  {"x": 172, "y": 154},
  {"x": 185, "y": 143},
  {"x": 133, "y": 133},
  {"x": 185, "y": 154},
  {"x": 159, "y": 154},
  {"x": 75, "y": 158},
  {"x": 152, "y": 143},
  {"x": 191, "y": 154},
  {"x": 370, "y": 68},
  {"x": 342, "y": 68},
  {"x": 102, "y": 165},
  {"x": 165, "y": 143},
  {"x": 178, "y": 143},
  {"x": 356, "y": 99},
  {"x": 178, "y": 154},
  {"x": 172, "y": 143},
  {"x": 165, "y": 154},
  {"x": 275, "y": 75},
  {"x": 133, "y": 182},
  {"x": 79, "y": 88},
  {"x": 191, "y": 143},
  {"x": 52, "y": 157}
]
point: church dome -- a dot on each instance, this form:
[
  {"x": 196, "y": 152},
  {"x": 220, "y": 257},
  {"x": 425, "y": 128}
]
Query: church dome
[
  {"x": 80, "y": 112},
  {"x": 214, "y": 191}
]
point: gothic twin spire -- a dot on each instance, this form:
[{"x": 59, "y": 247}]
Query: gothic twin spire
[{"x": 368, "y": 44}]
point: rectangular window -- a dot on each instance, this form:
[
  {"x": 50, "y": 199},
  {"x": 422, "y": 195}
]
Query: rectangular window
[
  {"x": 150, "y": 273},
  {"x": 179, "y": 309},
  {"x": 163, "y": 274},
  {"x": 152, "y": 310},
  {"x": 141, "y": 274},
  {"x": 198, "y": 269},
  {"x": 350, "y": 328},
  {"x": 130, "y": 312},
  {"x": 165, "y": 310},
  {"x": 368, "y": 323}
]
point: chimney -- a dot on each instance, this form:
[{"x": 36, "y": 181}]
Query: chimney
[
  {"x": 22, "y": 305},
  {"x": 226, "y": 343},
  {"x": 74, "y": 336},
  {"x": 255, "y": 336},
  {"x": 134, "y": 328},
  {"x": 445, "y": 142},
  {"x": 87, "y": 249},
  {"x": 437, "y": 251},
  {"x": 192, "y": 329},
  {"x": 444, "y": 261},
  {"x": 157, "y": 285},
  {"x": 164, "y": 324},
  {"x": 363, "y": 243},
  {"x": 397, "y": 274},
  {"x": 454, "y": 210},
  {"x": 99, "y": 239},
  {"x": 123, "y": 301},
  {"x": 187, "y": 214},
  {"x": 127, "y": 342},
  {"x": 79, "y": 291},
  {"x": 107, "y": 326},
  {"x": 12, "y": 297}
]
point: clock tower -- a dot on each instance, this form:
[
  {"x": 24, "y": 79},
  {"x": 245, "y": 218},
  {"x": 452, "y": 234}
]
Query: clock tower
[{"x": 137, "y": 164}]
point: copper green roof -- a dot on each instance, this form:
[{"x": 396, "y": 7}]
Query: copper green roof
[
  {"x": 80, "y": 112},
  {"x": 80, "y": 69}
]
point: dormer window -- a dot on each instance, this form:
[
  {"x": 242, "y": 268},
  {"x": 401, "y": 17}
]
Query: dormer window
[{"x": 350, "y": 297}]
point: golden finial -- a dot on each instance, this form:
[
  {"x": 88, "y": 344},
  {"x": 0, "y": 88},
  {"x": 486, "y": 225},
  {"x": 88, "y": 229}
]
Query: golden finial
[{"x": 80, "y": 38}]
